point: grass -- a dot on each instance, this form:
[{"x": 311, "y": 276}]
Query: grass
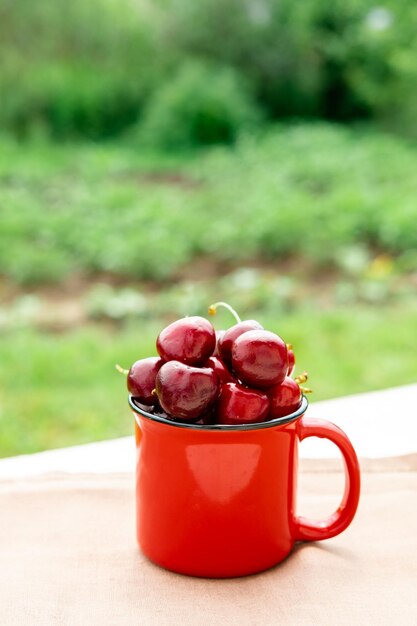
[
  {"x": 328, "y": 194},
  {"x": 308, "y": 190},
  {"x": 58, "y": 390},
  {"x": 63, "y": 389}
]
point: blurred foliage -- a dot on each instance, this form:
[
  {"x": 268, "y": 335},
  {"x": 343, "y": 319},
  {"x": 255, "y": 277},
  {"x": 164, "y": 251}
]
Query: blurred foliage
[
  {"x": 322, "y": 192},
  {"x": 202, "y": 104},
  {"x": 104, "y": 301},
  {"x": 90, "y": 68},
  {"x": 72, "y": 68},
  {"x": 265, "y": 291},
  {"x": 337, "y": 60}
]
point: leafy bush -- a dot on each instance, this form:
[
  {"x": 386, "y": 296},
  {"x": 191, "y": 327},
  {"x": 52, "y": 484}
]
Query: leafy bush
[
  {"x": 336, "y": 60},
  {"x": 72, "y": 68},
  {"x": 201, "y": 104},
  {"x": 88, "y": 68}
]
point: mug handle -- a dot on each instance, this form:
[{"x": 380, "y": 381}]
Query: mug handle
[{"x": 314, "y": 530}]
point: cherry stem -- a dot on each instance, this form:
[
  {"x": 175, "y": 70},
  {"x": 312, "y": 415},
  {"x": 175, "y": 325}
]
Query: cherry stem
[
  {"x": 213, "y": 309},
  {"x": 301, "y": 378},
  {"x": 121, "y": 370}
]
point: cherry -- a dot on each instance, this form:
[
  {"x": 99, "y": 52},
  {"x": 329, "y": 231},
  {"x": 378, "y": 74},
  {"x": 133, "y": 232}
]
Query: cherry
[
  {"x": 285, "y": 398},
  {"x": 259, "y": 358},
  {"x": 226, "y": 339},
  {"x": 219, "y": 335},
  {"x": 237, "y": 376},
  {"x": 186, "y": 392},
  {"x": 141, "y": 379},
  {"x": 239, "y": 405},
  {"x": 291, "y": 359},
  {"x": 190, "y": 340},
  {"x": 230, "y": 336},
  {"x": 221, "y": 370},
  {"x": 209, "y": 417}
]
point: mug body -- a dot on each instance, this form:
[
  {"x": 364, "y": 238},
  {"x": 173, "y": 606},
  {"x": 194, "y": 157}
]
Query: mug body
[{"x": 216, "y": 502}]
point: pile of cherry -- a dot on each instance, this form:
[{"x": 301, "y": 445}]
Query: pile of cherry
[{"x": 238, "y": 376}]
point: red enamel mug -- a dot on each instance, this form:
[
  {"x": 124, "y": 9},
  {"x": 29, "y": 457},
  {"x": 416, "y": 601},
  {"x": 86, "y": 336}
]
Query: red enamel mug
[{"x": 220, "y": 500}]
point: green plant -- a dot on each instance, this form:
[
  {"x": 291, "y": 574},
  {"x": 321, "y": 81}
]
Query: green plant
[
  {"x": 80, "y": 66},
  {"x": 342, "y": 60},
  {"x": 311, "y": 191},
  {"x": 201, "y": 104}
]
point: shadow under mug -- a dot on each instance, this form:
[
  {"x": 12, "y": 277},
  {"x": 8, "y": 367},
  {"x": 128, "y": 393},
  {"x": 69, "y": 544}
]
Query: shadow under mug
[{"x": 220, "y": 500}]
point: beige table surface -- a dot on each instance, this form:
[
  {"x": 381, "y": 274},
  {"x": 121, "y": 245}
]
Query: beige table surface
[{"x": 68, "y": 558}]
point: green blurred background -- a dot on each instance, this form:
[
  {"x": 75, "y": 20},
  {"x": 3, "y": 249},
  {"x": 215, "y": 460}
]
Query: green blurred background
[{"x": 158, "y": 155}]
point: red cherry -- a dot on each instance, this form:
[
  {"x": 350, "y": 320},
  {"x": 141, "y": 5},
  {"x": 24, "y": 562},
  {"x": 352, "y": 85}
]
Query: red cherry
[
  {"x": 226, "y": 341},
  {"x": 141, "y": 379},
  {"x": 239, "y": 405},
  {"x": 209, "y": 417},
  {"x": 284, "y": 398},
  {"x": 219, "y": 335},
  {"x": 259, "y": 358},
  {"x": 291, "y": 361},
  {"x": 186, "y": 392},
  {"x": 221, "y": 370},
  {"x": 190, "y": 340}
]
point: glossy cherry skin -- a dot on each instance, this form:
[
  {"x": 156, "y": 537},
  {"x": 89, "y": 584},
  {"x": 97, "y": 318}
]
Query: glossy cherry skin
[
  {"x": 291, "y": 361},
  {"x": 219, "y": 335},
  {"x": 259, "y": 358},
  {"x": 225, "y": 342},
  {"x": 209, "y": 417},
  {"x": 190, "y": 340},
  {"x": 225, "y": 376},
  {"x": 186, "y": 392},
  {"x": 239, "y": 405},
  {"x": 141, "y": 379},
  {"x": 284, "y": 398}
]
